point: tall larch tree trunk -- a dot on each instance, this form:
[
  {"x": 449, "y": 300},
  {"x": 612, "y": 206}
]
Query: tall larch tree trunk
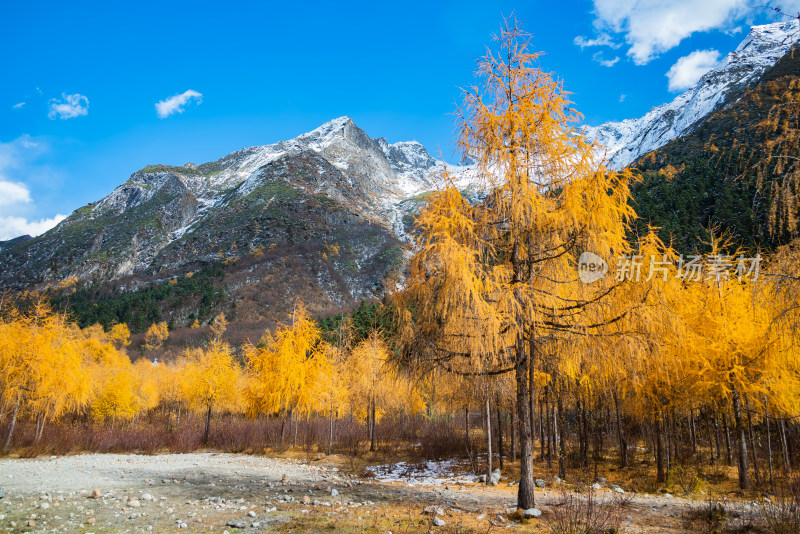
[
  {"x": 741, "y": 439},
  {"x": 525, "y": 496}
]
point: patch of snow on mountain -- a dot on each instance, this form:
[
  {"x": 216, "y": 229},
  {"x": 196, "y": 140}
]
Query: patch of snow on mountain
[{"x": 625, "y": 141}]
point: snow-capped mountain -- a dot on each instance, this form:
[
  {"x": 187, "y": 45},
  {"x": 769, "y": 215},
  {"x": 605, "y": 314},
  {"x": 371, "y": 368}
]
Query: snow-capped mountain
[
  {"x": 378, "y": 175},
  {"x": 625, "y": 141},
  {"x": 321, "y": 216}
]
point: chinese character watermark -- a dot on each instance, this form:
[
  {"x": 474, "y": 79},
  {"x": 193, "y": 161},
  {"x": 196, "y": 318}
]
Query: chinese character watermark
[{"x": 692, "y": 268}]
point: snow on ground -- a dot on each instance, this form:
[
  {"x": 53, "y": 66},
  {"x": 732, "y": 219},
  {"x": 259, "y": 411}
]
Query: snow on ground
[{"x": 429, "y": 473}]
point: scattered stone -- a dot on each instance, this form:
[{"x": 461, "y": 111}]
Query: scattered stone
[
  {"x": 44, "y": 506},
  {"x": 438, "y": 522},
  {"x": 531, "y": 512},
  {"x": 601, "y": 480},
  {"x": 334, "y": 493},
  {"x": 668, "y": 496},
  {"x": 619, "y": 490},
  {"x": 31, "y": 523},
  {"x": 91, "y": 521},
  {"x": 283, "y": 478},
  {"x": 251, "y": 513},
  {"x": 147, "y": 497},
  {"x": 433, "y": 510},
  {"x": 236, "y": 524},
  {"x": 96, "y": 493},
  {"x": 494, "y": 478},
  {"x": 134, "y": 503},
  {"x": 306, "y": 499},
  {"x": 540, "y": 483},
  {"x": 596, "y": 486},
  {"x": 557, "y": 480}
]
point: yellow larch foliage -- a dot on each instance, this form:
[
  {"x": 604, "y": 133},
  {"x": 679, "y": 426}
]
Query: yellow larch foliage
[
  {"x": 156, "y": 335},
  {"x": 374, "y": 381},
  {"x": 289, "y": 369},
  {"x": 121, "y": 334}
]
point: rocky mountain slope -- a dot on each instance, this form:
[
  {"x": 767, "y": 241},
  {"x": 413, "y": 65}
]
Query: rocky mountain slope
[
  {"x": 710, "y": 177},
  {"x": 318, "y": 217}
]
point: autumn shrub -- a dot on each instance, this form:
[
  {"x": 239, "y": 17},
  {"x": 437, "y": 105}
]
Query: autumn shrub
[
  {"x": 780, "y": 514},
  {"x": 688, "y": 478},
  {"x": 712, "y": 518},
  {"x": 585, "y": 512}
]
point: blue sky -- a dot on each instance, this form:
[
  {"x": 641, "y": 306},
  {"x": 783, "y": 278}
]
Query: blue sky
[{"x": 81, "y": 81}]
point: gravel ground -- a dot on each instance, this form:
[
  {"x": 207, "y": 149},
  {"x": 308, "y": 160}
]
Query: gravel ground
[{"x": 208, "y": 492}]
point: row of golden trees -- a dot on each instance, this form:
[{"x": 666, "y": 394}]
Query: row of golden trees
[{"x": 49, "y": 367}]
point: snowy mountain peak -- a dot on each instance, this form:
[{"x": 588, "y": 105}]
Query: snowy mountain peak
[
  {"x": 623, "y": 142},
  {"x": 324, "y": 135}
]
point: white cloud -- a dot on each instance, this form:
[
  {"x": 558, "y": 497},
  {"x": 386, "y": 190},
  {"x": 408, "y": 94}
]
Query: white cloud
[
  {"x": 69, "y": 107},
  {"x": 651, "y": 27},
  {"x": 18, "y": 105},
  {"x": 13, "y": 193},
  {"x": 603, "y": 39},
  {"x": 17, "y": 160},
  {"x": 622, "y": 97},
  {"x": 689, "y": 69},
  {"x": 11, "y": 227},
  {"x": 598, "y": 56},
  {"x": 175, "y": 104}
]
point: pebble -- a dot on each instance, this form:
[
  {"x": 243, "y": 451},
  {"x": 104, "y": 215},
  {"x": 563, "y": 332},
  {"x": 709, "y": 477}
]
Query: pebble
[
  {"x": 334, "y": 493},
  {"x": 438, "y": 522},
  {"x": 532, "y": 512},
  {"x": 251, "y": 513}
]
